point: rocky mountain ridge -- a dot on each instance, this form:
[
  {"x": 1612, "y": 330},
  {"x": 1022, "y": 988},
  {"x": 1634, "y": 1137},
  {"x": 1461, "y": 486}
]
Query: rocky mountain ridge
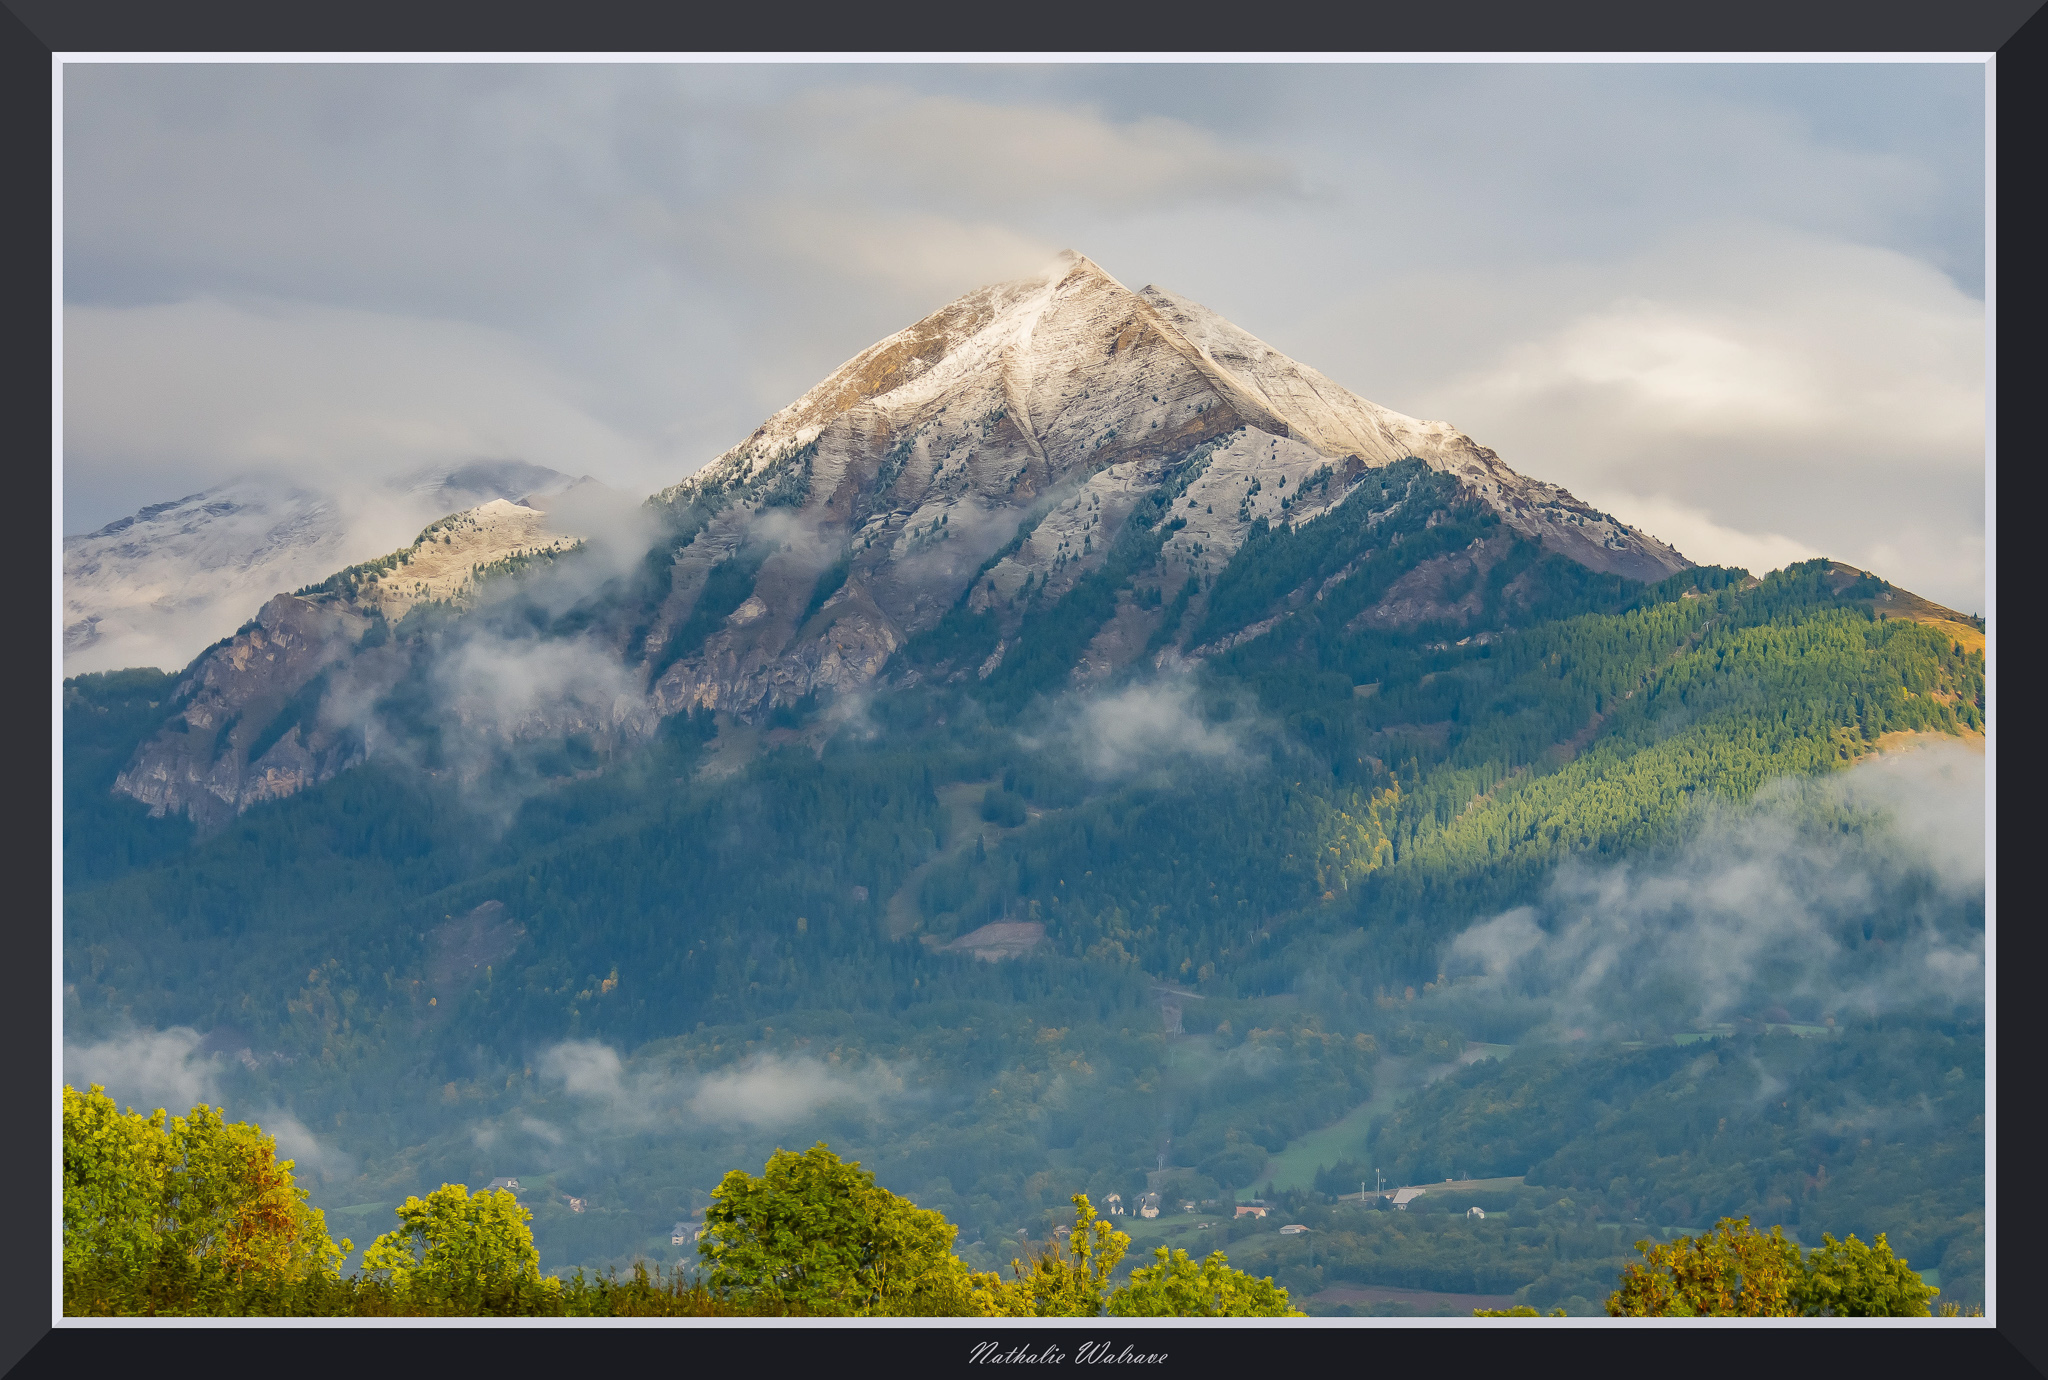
[
  {"x": 285, "y": 702},
  {"x": 154, "y": 588}
]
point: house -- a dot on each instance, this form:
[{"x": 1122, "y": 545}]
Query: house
[
  {"x": 575, "y": 1204},
  {"x": 509, "y": 1185},
  {"x": 1479, "y": 1213},
  {"x": 1404, "y": 1196},
  {"x": 682, "y": 1234},
  {"x": 1114, "y": 1205},
  {"x": 1060, "y": 1235},
  {"x": 1293, "y": 1229},
  {"x": 1187, "y": 1205},
  {"x": 1251, "y": 1209},
  {"x": 1148, "y": 1206}
]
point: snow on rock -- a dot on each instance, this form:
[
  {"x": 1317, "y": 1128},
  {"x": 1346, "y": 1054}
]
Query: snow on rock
[{"x": 1068, "y": 398}]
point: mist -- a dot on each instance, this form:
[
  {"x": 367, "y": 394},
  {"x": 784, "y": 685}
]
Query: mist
[
  {"x": 762, "y": 1092},
  {"x": 176, "y": 1070},
  {"x": 1847, "y": 898},
  {"x": 1145, "y": 726}
]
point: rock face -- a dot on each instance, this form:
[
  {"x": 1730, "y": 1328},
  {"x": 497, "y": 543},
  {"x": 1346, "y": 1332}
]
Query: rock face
[
  {"x": 154, "y": 588},
  {"x": 1005, "y": 439},
  {"x": 247, "y": 729}
]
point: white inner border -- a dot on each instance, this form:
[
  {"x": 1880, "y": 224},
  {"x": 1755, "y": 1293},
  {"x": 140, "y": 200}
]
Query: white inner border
[{"x": 1988, "y": 61}]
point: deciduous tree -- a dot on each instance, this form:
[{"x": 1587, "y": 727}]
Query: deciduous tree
[{"x": 453, "y": 1240}]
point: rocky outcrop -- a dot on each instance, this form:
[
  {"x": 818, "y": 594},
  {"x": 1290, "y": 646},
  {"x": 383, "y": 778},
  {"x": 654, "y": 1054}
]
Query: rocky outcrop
[{"x": 250, "y": 727}]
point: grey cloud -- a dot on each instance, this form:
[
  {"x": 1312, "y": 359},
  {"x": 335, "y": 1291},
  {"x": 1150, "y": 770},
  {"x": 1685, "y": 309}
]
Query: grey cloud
[{"x": 1014, "y": 155}]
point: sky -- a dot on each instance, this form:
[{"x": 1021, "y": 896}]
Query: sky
[{"x": 1741, "y": 306}]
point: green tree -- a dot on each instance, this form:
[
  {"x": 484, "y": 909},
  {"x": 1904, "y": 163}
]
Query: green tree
[
  {"x": 1179, "y": 1288},
  {"x": 453, "y": 1241},
  {"x": 199, "y": 1187},
  {"x": 1733, "y": 1271},
  {"x": 1069, "y": 1281},
  {"x": 1847, "y": 1279},
  {"x": 816, "y": 1233}
]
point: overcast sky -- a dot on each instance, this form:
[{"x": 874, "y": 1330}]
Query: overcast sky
[{"x": 1741, "y": 306}]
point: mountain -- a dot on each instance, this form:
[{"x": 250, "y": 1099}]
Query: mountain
[
  {"x": 1008, "y": 437},
  {"x": 257, "y": 718},
  {"x": 1017, "y": 446},
  {"x": 154, "y": 588},
  {"x": 1027, "y": 809}
]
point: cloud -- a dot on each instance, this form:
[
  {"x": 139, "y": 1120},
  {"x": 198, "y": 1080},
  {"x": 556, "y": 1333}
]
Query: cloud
[
  {"x": 1143, "y": 726},
  {"x": 1015, "y": 155},
  {"x": 938, "y": 257},
  {"x": 1934, "y": 795},
  {"x": 1698, "y": 537},
  {"x": 173, "y": 1070},
  {"x": 510, "y": 688},
  {"x": 765, "y": 1091},
  {"x": 201, "y": 390},
  {"x": 1754, "y": 396},
  {"x": 312, "y": 1157},
  {"x": 768, "y": 1091},
  {"x": 1753, "y": 331},
  {"x": 148, "y": 1069},
  {"x": 1806, "y": 900}
]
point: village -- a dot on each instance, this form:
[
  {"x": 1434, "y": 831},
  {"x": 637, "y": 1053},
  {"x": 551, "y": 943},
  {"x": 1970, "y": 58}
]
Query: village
[{"x": 1135, "y": 1217}]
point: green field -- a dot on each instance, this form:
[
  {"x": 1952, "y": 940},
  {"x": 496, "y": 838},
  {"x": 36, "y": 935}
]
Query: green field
[{"x": 1296, "y": 1165}]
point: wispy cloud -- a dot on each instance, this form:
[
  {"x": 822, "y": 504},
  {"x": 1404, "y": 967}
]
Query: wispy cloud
[
  {"x": 1144, "y": 726},
  {"x": 148, "y": 1069},
  {"x": 763, "y": 1092}
]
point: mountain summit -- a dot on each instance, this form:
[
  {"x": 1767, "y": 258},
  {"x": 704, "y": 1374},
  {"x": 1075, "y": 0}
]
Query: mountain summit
[
  {"x": 1059, "y": 403},
  {"x": 1042, "y": 484}
]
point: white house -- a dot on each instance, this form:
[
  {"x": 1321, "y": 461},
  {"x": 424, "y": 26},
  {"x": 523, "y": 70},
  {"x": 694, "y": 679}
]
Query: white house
[
  {"x": 1148, "y": 1206},
  {"x": 1293, "y": 1229},
  {"x": 1404, "y": 1196},
  {"x": 682, "y": 1234},
  {"x": 510, "y": 1185},
  {"x": 1479, "y": 1213},
  {"x": 1113, "y": 1205}
]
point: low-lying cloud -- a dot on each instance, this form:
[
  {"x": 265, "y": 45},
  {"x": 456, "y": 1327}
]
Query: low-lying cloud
[
  {"x": 763, "y": 1092},
  {"x": 1145, "y": 726},
  {"x": 176, "y": 1070},
  {"x": 148, "y": 1069},
  {"x": 1861, "y": 894}
]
